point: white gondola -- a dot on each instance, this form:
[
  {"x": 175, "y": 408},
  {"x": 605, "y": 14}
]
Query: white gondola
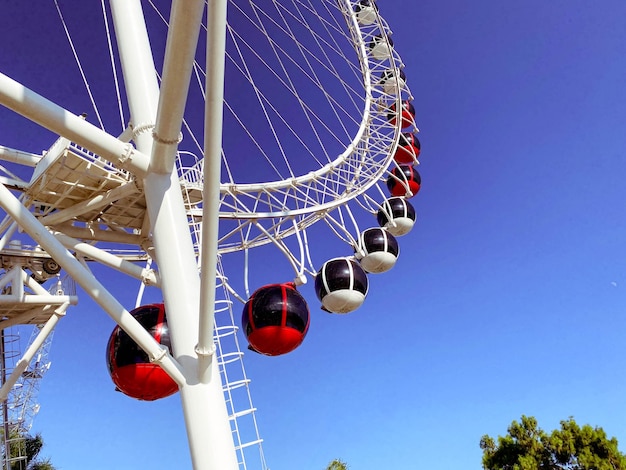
[
  {"x": 341, "y": 285},
  {"x": 390, "y": 81},
  {"x": 378, "y": 250},
  {"x": 366, "y": 12},
  {"x": 397, "y": 215},
  {"x": 380, "y": 47}
]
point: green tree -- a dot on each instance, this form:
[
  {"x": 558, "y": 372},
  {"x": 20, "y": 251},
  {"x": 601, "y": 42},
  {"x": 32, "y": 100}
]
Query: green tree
[
  {"x": 528, "y": 447},
  {"x": 42, "y": 465},
  {"x": 337, "y": 465},
  {"x": 32, "y": 445},
  {"x": 24, "y": 450}
]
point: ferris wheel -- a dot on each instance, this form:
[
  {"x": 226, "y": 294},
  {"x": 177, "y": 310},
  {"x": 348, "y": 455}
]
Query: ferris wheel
[{"x": 268, "y": 125}]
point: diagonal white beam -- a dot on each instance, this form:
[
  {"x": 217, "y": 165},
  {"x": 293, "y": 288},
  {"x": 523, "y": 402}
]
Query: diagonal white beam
[
  {"x": 180, "y": 51},
  {"x": 17, "y": 156},
  {"x": 147, "y": 276},
  {"x": 44, "y": 112}
]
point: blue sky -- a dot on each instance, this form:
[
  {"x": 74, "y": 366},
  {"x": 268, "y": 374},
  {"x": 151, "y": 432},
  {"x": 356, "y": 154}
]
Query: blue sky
[{"x": 508, "y": 297}]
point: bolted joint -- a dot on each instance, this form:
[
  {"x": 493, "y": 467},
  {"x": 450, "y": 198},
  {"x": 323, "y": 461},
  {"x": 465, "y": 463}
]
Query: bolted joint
[
  {"x": 158, "y": 358},
  {"x": 163, "y": 141},
  {"x": 300, "y": 280},
  {"x": 204, "y": 351}
]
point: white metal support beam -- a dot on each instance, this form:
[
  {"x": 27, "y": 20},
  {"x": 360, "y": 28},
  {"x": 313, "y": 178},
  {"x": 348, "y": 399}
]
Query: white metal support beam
[
  {"x": 148, "y": 277},
  {"x": 213, "y": 119},
  {"x": 38, "y": 109},
  {"x": 182, "y": 42},
  {"x": 95, "y": 233},
  {"x": 17, "y": 156}
]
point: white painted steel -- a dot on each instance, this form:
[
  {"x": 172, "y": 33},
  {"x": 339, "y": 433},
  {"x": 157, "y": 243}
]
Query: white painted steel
[
  {"x": 369, "y": 130},
  {"x": 213, "y": 121},
  {"x": 204, "y": 409},
  {"x": 22, "y": 318},
  {"x": 146, "y": 276},
  {"x": 38, "y": 299},
  {"x": 99, "y": 201},
  {"x": 53, "y": 117},
  {"x": 39, "y": 289},
  {"x": 22, "y": 364},
  {"x": 17, "y": 156},
  {"x": 142, "y": 89},
  {"x": 236, "y": 383},
  {"x": 258, "y": 213},
  {"x": 89, "y": 233},
  {"x": 264, "y": 212},
  {"x": 14, "y": 277},
  {"x": 7, "y": 235},
  {"x": 182, "y": 40}
]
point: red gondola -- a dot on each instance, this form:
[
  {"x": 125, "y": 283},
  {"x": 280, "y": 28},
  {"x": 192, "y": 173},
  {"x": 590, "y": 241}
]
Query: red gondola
[
  {"x": 275, "y": 319},
  {"x": 407, "y": 113},
  {"x": 130, "y": 368},
  {"x": 404, "y": 181},
  {"x": 408, "y": 149}
]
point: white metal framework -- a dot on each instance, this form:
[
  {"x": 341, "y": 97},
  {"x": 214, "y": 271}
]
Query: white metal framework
[
  {"x": 302, "y": 129},
  {"x": 27, "y": 310}
]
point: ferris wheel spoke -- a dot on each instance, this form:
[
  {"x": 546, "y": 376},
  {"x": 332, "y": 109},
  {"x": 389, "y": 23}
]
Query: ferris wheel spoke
[{"x": 265, "y": 101}]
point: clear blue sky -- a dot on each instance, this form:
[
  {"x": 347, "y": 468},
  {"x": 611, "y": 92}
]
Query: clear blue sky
[{"x": 509, "y": 297}]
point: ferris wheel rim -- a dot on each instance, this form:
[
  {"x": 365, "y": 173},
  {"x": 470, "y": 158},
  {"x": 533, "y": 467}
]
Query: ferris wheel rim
[
  {"x": 356, "y": 155},
  {"x": 349, "y": 148}
]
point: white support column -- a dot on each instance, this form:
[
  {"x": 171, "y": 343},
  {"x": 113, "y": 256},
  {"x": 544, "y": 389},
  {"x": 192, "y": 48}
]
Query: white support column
[
  {"x": 182, "y": 42},
  {"x": 142, "y": 87},
  {"x": 213, "y": 119},
  {"x": 17, "y": 287},
  {"x": 95, "y": 233},
  {"x": 206, "y": 418},
  {"x": 7, "y": 235}
]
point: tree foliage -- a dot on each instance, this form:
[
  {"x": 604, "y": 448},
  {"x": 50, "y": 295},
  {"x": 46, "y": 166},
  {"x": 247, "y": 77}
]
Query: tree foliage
[
  {"x": 43, "y": 465},
  {"x": 528, "y": 447},
  {"x": 23, "y": 452},
  {"x": 32, "y": 445},
  {"x": 337, "y": 465}
]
